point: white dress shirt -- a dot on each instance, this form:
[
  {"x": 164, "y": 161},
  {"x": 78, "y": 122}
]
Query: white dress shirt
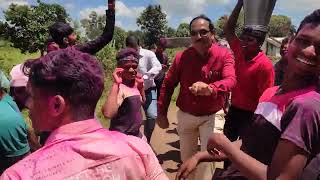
[{"x": 149, "y": 66}]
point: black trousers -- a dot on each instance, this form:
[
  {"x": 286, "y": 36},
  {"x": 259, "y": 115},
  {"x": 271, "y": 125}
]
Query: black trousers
[
  {"x": 237, "y": 122},
  {"x": 158, "y": 83}
]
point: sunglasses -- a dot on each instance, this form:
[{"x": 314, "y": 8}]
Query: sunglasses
[{"x": 202, "y": 32}]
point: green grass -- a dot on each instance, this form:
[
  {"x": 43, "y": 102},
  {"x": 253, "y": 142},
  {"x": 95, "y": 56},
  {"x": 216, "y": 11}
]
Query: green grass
[
  {"x": 10, "y": 56},
  {"x": 104, "y": 121}
]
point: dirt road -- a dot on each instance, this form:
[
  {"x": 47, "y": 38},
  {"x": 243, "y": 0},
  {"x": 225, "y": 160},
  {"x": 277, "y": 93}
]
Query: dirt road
[{"x": 166, "y": 142}]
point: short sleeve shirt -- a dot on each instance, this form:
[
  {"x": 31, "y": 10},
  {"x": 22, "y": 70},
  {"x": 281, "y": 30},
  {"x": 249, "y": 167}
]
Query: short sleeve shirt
[
  {"x": 301, "y": 123},
  {"x": 13, "y": 132},
  {"x": 253, "y": 78},
  {"x": 261, "y": 139},
  {"x": 268, "y": 123}
]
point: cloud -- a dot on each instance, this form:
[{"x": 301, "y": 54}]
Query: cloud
[
  {"x": 128, "y": 12},
  {"x": 188, "y": 7},
  {"x": 4, "y": 4},
  {"x": 121, "y": 11},
  {"x": 296, "y": 9},
  {"x": 86, "y": 12},
  {"x": 298, "y": 5},
  {"x": 69, "y": 6},
  {"x": 125, "y": 16},
  {"x": 186, "y": 19},
  {"x": 119, "y": 23}
]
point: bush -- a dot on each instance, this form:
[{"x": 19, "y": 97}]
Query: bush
[
  {"x": 172, "y": 52},
  {"x": 104, "y": 121},
  {"x": 107, "y": 56}
]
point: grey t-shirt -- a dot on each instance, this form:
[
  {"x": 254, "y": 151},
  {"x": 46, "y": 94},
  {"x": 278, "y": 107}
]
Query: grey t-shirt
[
  {"x": 301, "y": 123},
  {"x": 301, "y": 126},
  {"x": 262, "y": 137}
]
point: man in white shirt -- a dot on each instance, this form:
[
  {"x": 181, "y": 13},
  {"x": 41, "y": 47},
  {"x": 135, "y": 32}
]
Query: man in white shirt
[{"x": 149, "y": 67}]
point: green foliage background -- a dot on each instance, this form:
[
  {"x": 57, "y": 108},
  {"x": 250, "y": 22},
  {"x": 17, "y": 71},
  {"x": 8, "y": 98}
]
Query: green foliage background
[
  {"x": 10, "y": 56},
  {"x": 27, "y": 26},
  {"x": 153, "y": 22}
]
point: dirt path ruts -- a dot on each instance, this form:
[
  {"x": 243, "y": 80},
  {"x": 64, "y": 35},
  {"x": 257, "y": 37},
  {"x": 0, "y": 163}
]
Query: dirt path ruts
[{"x": 166, "y": 142}]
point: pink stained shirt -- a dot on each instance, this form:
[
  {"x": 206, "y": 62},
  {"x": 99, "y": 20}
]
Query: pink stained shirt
[
  {"x": 188, "y": 67},
  {"x": 86, "y": 150}
]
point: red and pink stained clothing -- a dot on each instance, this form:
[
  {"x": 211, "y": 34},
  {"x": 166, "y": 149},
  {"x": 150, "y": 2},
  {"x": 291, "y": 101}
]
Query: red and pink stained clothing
[
  {"x": 217, "y": 70},
  {"x": 86, "y": 150},
  {"x": 253, "y": 78},
  {"x": 263, "y": 135}
]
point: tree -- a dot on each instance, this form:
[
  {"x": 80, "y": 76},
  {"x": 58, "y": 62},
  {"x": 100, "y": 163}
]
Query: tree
[
  {"x": 119, "y": 37},
  {"x": 2, "y": 29},
  {"x": 220, "y": 24},
  {"x": 138, "y": 34},
  {"x": 223, "y": 19},
  {"x": 240, "y": 24},
  {"x": 170, "y": 32},
  {"x": 183, "y": 30},
  {"x": 27, "y": 27},
  {"x": 107, "y": 56},
  {"x": 280, "y": 26},
  {"x": 153, "y": 23},
  {"x": 77, "y": 31},
  {"x": 94, "y": 26}
]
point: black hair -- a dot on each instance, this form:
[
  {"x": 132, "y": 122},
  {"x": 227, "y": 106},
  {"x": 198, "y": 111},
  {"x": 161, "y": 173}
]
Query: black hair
[
  {"x": 202, "y": 16},
  {"x": 313, "y": 18},
  {"x": 153, "y": 46},
  {"x": 78, "y": 77},
  {"x": 285, "y": 40},
  {"x": 60, "y": 30},
  {"x": 259, "y": 35},
  {"x": 127, "y": 52},
  {"x": 132, "y": 41}
]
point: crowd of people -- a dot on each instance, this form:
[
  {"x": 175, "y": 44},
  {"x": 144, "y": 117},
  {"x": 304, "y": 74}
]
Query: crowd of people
[{"x": 271, "y": 129}]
